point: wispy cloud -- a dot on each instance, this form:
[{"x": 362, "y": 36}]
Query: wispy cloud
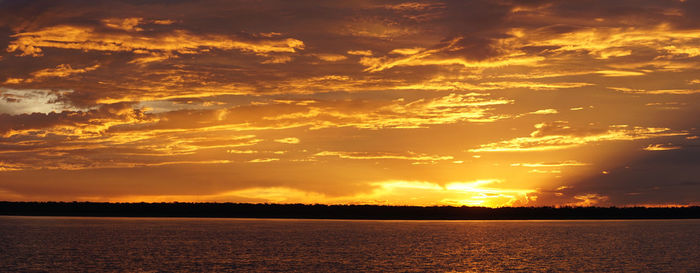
[{"x": 559, "y": 135}]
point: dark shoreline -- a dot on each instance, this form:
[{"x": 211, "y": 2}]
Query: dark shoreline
[{"x": 370, "y": 212}]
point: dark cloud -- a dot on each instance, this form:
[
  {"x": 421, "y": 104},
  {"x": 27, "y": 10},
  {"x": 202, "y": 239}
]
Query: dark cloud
[
  {"x": 105, "y": 113},
  {"x": 659, "y": 177}
]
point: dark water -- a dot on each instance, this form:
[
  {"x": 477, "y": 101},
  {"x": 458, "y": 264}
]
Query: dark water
[{"x": 65, "y": 244}]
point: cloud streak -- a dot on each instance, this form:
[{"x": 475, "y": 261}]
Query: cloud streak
[
  {"x": 179, "y": 41},
  {"x": 558, "y": 135}
]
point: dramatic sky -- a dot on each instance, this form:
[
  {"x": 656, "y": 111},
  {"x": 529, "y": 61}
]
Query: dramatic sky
[{"x": 489, "y": 103}]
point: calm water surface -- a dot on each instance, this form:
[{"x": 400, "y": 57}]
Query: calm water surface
[{"x": 71, "y": 244}]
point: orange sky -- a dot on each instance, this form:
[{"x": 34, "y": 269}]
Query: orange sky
[{"x": 489, "y": 103}]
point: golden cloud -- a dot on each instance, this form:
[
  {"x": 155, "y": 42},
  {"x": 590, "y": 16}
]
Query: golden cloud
[
  {"x": 288, "y": 140},
  {"x": 418, "y": 57},
  {"x": 379, "y": 155},
  {"x": 590, "y": 199},
  {"x": 609, "y": 42},
  {"x": 661, "y": 147},
  {"x": 656, "y": 92},
  {"x": 180, "y": 41},
  {"x": 263, "y": 160},
  {"x": 555, "y": 136},
  {"x": 446, "y": 83},
  {"x": 569, "y": 163},
  {"x": 127, "y": 24},
  {"x": 399, "y": 113},
  {"x": 544, "y": 112},
  {"x": 619, "y": 73},
  {"x": 331, "y": 57},
  {"x": 360, "y": 52},
  {"x": 61, "y": 71},
  {"x": 536, "y": 85}
]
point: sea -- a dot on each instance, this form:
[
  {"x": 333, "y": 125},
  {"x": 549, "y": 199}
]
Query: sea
[{"x": 95, "y": 244}]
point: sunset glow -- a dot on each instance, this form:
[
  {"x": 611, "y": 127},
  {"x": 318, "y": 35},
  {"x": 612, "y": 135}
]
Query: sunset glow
[{"x": 477, "y": 103}]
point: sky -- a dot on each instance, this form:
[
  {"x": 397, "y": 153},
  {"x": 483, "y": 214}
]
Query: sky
[{"x": 477, "y": 103}]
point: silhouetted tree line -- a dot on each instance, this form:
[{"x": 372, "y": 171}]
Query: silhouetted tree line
[{"x": 317, "y": 211}]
